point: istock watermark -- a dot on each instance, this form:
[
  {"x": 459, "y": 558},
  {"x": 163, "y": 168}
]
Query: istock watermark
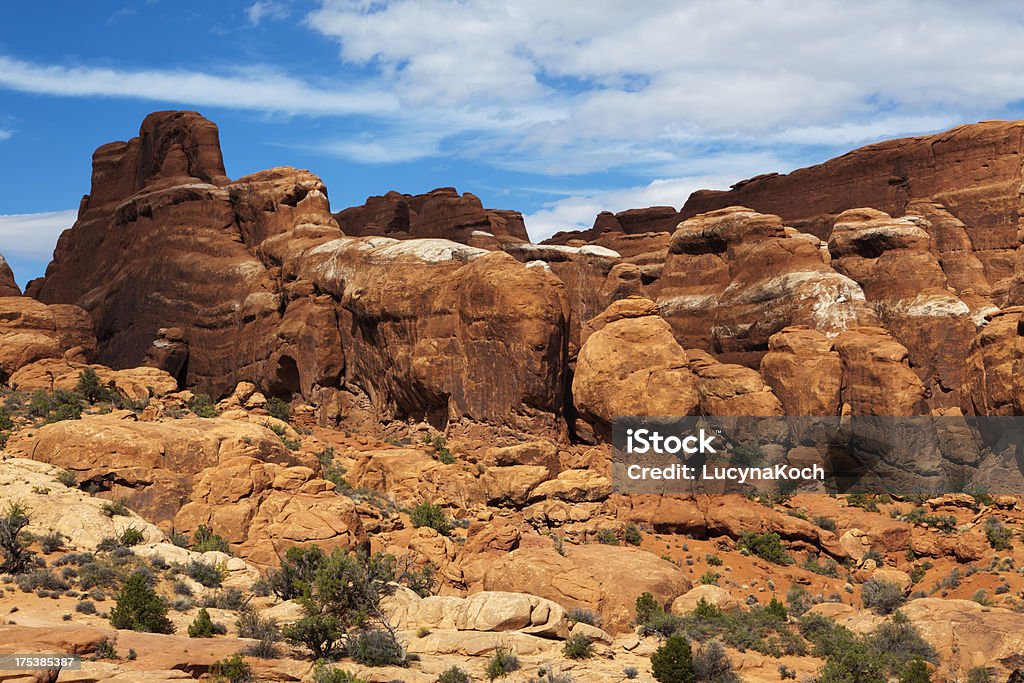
[{"x": 896, "y": 455}]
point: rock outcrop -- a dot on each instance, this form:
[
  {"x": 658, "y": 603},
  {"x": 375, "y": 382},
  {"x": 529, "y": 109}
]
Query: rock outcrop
[
  {"x": 32, "y": 331},
  {"x": 442, "y": 213},
  {"x": 8, "y": 287}
]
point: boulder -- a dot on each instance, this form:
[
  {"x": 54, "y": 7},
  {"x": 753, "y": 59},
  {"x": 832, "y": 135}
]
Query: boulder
[{"x": 712, "y": 595}]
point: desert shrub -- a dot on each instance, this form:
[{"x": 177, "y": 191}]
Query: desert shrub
[
  {"x": 65, "y": 411},
  {"x": 950, "y": 580},
  {"x": 205, "y": 574},
  {"x": 420, "y": 580},
  {"x": 90, "y": 388},
  {"x": 607, "y": 537},
  {"x": 376, "y": 648},
  {"x": 202, "y": 406},
  {"x": 798, "y": 599},
  {"x": 583, "y": 616},
  {"x": 40, "y": 579},
  {"x": 917, "y": 671},
  {"x": 672, "y": 662},
  {"x": 51, "y": 542},
  {"x": 116, "y": 508},
  {"x": 139, "y": 608},
  {"x": 180, "y": 540},
  {"x": 453, "y": 674},
  {"x": 342, "y": 596},
  {"x": 997, "y": 534},
  {"x": 578, "y": 647},
  {"x": 631, "y": 534},
  {"x": 981, "y": 597},
  {"x": 630, "y": 672},
  {"x": 882, "y": 597},
  {"x": 68, "y": 478},
  {"x": 429, "y": 515},
  {"x": 130, "y": 536},
  {"x": 265, "y": 631},
  {"x": 226, "y": 598},
  {"x": 6, "y": 423},
  {"x": 105, "y": 650},
  {"x": 233, "y": 669},
  {"x": 502, "y": 663},
  {"x": 323, "y": 673},
  {"x": 979, "y": 674},
  {"x": 896, "y": 642},
  {"x": 204, "y": 540},
  {"x": 86, "y": 607},
  {"x": 826, "y": 523},
  {"x": 646, "y": 607},
  {"x": 826, "y": 567},
  {"x": 767, "y": 546},
  {"x": 17, "y": 558},
  {"x": 851, "y": 662},
  {"x": 712, "y": 665},
  {"x": 709, "y": 578},
  {"x": 861, "y": 500},
  {"x": 203, "y": 627},
  {"x": 95, "y": 573},
  {"x": 297, "y": 572},
  {"x": 713, "y": 560},
  {"x": 279, "y": 409}
]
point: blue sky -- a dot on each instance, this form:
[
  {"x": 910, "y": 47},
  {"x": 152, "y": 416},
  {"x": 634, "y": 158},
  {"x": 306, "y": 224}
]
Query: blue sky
[{"x": 558, "y": 110}]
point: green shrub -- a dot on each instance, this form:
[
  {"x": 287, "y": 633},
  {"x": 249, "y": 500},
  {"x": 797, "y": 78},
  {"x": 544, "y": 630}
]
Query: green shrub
[
  {"x": 90, "y": 387},
  {"x": 265, "y": 631},
  {"x": 139, "y": 608},
  {"x": 582, "y": 616},
  {"x": 6, "y": 423},
  {"x": 979, "y": 674},
  {"x": 631, "y": 534},
  {"x": 997, "y": 534},
  {"x": 798, "y": 599},
  {"x": 323, "y": 673},
  {"x": 376, "y": 648},
  {"x": 767, "y": 546},
  {"x": 204, "y": 540},
  {"x": 453, "y": 674},
  {"x": 279, "y": 409},
  {"x": 203, "y": 626},
  {"x": 130, "y": 536},
  {"x": 105, "y": 650},
  {"x": 68, "y": 478},
  {"x": 429, "y": 515},
  {"x": 202, "y": 406},
  {"x": 85, "y": 607},
  {"x": 17, "y": 559},
  {"x": 646, "y": 607},
  {"x": 897, "y": 642},
  {"x": 710, "y": 578},
  {"x": 882, "y": 597},
  {"x": 578, "y": 647},
  {"x": 205, "y": 574},
  {"x": 713, "y": 560},
  {"x": 917, "y": 671},
  {"x": 673, "y": 661},
  {"x": 64, "y": 411},
  {"x": 116, "y": 508},
  {"x": 51, "y": 542},
  {"x": 826, "y": 567},
  {"x": 342, "y": 596},
  {"x": 502, "y": 663},
  {"x": 711, "y": 664},
  {"x": 607, "y": 537},
  {"x": 826, "y": 523},
  {"x": 233, "y": 669},
  {"x": 297, "y": 571},
  {"x": 861, "y": 500}
]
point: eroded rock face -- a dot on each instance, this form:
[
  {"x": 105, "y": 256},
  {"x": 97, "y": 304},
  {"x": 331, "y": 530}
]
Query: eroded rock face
[
  {"x": 973, "y": 170},
  {"x": 8, "y": 287},
  {"x": 225, "y": 281},
  {"x": 734, "y": 277},
  {"x": 804, "y": 371},
  {"x": 441, "y": 213},
  {"x": 601, "y": 578},
  {"x": 153, "y": 464},
  {"x": 31, "y": 331},
  {"x": 264, "y": 508}
]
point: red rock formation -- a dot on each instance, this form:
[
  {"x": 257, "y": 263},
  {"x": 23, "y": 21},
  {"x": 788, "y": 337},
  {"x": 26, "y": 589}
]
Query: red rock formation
[
  {"x": 31, "y": 331},
  {"x": 219, "y": 282},
  {"x": 653, "y": 219},
  {"x": 8, "y": 287},
  {"x": 441, "y": 213},
  {"x": 971, "y": 171}
]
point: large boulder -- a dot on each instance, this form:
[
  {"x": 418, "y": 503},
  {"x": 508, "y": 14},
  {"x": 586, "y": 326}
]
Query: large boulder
[
  {"x": 606, "y": 579},
  {"x": 152, "y": 464},
  {"x": 31, "y": 331}
]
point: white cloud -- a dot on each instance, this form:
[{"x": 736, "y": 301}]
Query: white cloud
[
  {"x": 266, "y": 9},
  {"x": 254, "y": 88},
  {"x": 630, "y": 86},
  {"x": 5, "y": 134},
  {"x": 577, "y": 211},
  {"x": 31, "y": 236}
]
